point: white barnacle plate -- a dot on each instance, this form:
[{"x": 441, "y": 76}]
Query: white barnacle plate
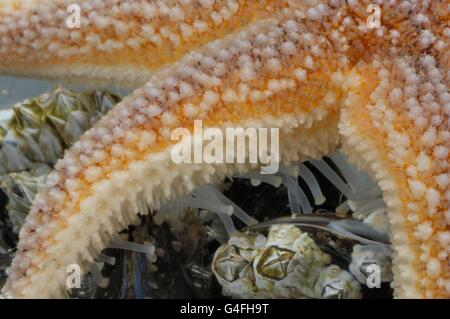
[
  {"x": 289, "y": 264},
  {"x": 336, "y": 283},
  {"x": 233, "y": 265}
]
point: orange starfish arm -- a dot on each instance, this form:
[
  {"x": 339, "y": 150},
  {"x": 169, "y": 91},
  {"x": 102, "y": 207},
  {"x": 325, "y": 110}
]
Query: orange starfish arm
[{"x": 119, "y": 41}]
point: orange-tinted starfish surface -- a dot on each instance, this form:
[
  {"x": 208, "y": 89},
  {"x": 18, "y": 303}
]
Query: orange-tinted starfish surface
[{"x": 315, "y": 69}]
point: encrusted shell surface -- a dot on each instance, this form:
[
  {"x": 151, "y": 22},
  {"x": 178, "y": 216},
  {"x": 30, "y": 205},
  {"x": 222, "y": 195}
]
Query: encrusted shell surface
[
  {"x": 336, "y": 283},
  {"x": 21, "y": 188},
  {"x": 289, "y": 265}
]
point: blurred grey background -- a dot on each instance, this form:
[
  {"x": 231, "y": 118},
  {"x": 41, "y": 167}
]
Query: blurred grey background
[{"x": 14, "y": 89}]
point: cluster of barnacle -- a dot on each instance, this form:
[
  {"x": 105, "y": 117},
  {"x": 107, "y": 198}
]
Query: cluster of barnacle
[
  {"x": 310, "y": 255},
  {"x": 33, "y": 136},
  {"x": 336, "y": 224},
  {"x": 285, "y": 264}
]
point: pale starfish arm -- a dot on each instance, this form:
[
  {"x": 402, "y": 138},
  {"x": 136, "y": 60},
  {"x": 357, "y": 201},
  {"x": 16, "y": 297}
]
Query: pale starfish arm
[
  {"x": 391, "y": 132},
  {"x": 117, "y": 41},
  {"x": 401, "y": 136},
  {"x": 302, "y": 71}
]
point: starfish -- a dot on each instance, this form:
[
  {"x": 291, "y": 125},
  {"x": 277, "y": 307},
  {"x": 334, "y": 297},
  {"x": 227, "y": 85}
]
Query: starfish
[{"x": 314, "y": 69}]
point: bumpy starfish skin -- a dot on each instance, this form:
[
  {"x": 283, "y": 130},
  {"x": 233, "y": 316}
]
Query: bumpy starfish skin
[
  {"x": 120, "y": 40},
  {"x": 314, "y": 70}
]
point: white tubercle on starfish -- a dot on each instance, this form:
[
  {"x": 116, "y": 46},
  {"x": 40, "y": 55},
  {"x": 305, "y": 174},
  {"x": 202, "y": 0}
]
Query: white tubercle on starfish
[{"x": 315, "y": 71}]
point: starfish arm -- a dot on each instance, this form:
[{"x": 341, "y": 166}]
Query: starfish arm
[
  {"x": 384, "y": 134},
  {"x": 121, "y": 42},
  {"x": 303, "y": 71},
  {"x": 397, "y": 128},
  {"x": 258, "y": 78}
]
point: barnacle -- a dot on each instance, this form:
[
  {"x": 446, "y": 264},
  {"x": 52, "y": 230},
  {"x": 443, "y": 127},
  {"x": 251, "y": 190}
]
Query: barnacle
[
  {"x": 33, "y": 136},
  {"x": 335, "y": 283},
  {"x": 289, "y": 265},
  {"x": 21, "y": 188},
  {"x": 313, "y": 69},
  {"x": 38, "y": 130}
]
